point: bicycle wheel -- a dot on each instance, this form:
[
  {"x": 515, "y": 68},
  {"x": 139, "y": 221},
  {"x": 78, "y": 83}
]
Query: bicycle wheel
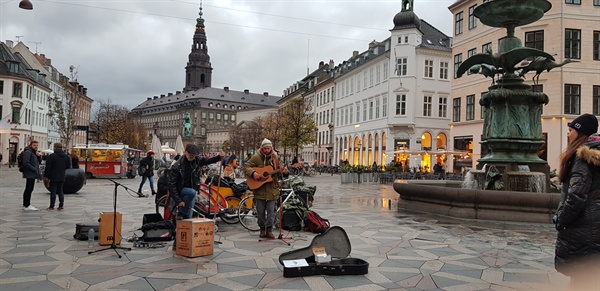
[
  {"x": 160, "y": 204},
  {"x": 230, "y": 215},
  {"x": 247, "y": 214}
]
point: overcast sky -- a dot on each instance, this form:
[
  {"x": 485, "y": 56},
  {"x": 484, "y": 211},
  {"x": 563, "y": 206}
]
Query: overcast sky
[{"x": 128, "y": 50}]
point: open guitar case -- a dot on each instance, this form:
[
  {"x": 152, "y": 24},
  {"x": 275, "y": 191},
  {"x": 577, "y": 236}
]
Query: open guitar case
[{"x": 337, "y": 244}]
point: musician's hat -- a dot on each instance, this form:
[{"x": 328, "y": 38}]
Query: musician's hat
[{"x": 265, "y": 143}]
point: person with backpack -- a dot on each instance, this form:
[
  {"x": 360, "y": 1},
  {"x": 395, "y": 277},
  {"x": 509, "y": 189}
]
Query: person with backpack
[
  {"x": 29, "y": 164},
  {"x": 265, "y": 196},
  {"x": 56, "y": 167},
  {"x": 146, "y": 170}
]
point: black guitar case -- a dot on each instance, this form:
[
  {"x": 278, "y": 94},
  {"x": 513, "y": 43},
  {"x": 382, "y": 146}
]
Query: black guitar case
[{"x": 337, "y": 244}]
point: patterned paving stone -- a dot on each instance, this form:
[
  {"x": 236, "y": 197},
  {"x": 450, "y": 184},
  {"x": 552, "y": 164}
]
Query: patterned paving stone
[{"x": 407, "y": 251}]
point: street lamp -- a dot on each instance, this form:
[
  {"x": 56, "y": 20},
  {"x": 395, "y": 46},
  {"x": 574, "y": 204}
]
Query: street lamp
[
  {"x": 26, "y": 4},
  {"x": 242, "y": 154}
]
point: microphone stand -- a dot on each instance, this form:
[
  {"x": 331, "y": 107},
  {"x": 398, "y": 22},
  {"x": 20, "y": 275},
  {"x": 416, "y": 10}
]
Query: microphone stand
[{"x": 113, "y": 245}]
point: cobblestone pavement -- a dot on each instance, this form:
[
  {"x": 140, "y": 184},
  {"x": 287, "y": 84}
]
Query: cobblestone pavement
[{"x": 405, "y": 251}]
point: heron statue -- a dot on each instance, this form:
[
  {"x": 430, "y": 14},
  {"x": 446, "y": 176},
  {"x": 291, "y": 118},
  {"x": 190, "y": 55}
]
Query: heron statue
[{"x": 539, "y": 65}]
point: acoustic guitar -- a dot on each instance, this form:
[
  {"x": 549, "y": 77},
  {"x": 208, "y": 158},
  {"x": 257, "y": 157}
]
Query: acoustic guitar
[{"x": 267, "y": 176}]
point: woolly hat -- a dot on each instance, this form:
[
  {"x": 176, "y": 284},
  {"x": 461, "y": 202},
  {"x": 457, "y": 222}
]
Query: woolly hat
[
  {"x": 265, "y": 143},
  {"x": 586, "y": 124}
]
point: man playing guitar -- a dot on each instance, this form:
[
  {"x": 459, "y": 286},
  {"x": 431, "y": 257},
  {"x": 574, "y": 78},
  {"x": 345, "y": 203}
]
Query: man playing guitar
[{"x": 259, "y": 170}]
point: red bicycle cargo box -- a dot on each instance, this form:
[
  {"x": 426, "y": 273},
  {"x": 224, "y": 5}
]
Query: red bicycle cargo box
[{"x": 336, "y": 244}]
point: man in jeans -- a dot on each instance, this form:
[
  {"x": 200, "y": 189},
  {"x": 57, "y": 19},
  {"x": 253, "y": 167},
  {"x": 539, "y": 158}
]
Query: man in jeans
[
  {"x": 31, "y": 172},
  {"x": 184, "y": 178}
]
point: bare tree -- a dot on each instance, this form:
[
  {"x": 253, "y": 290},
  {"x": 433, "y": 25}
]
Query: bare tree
[
  {"x": 62, "y": 109},
  {"x": 299, "y": 127},
  {"x": 114, "y": 124}
]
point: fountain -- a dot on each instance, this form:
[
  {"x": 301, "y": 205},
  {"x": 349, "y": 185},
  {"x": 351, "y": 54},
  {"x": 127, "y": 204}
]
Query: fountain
[{"x": 511, "y": 176}]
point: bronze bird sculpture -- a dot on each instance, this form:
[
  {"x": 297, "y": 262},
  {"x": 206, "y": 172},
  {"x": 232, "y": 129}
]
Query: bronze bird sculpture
[
  {"x": 507, "y": 61},
  {"x": 486, "y": 70},
  {"x": 539, "y": 64}
]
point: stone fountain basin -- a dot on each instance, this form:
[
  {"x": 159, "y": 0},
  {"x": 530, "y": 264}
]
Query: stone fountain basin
[{"x": 448, "y": 198}]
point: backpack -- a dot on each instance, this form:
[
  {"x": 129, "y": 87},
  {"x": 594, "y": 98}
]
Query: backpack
[
  {"x": 20, "y": 161},
  {"x": 141, "y": 170},
  {"x": 315, "y": 223},
  {"x": 290, "y": 221}
]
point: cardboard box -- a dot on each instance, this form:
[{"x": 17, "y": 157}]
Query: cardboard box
[
  {"x": 105, "y": 233},
  {"x": 195, "y": 237}
]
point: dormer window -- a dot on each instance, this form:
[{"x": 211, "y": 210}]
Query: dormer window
[
  {"x": 210, "y": 104},
  {"x": 218, "y": 105}
]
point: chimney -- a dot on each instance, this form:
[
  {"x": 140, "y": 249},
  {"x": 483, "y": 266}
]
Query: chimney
[
  {"x": 80, "y": 88},
  {"x": 177, "y": 92},
  {"x": 355, "y": 54},
  {"x": 226, "y": 89},
  {"x": 321, "y": 64},
  {"x": 266, "y": 94},
  {"x": 331, "y": 64},
  {"x": 162, "y": 95},
  {"x": 85, "y": 91},
  {"x": 246, "y": 91},
  {"x": 9, "y": 43},
  {"x": 149, "y": 98},
  {"x": 170, "y": 94},
  {"x": 155, "y": 97}
]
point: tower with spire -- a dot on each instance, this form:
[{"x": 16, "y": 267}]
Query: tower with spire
[{"x": 198, "y": 72}]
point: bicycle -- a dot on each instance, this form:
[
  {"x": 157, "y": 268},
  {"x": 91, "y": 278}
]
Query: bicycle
[
  {"x": 248, "y": 215},
  {"x": 204, "y": 196}
]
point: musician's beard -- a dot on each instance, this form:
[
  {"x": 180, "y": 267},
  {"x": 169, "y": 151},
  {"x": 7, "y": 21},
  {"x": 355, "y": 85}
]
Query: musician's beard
[{"x": 263, "y": 152}]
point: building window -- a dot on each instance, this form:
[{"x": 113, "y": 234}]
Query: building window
[
  {"x": 16, "y": 114},
  {"x": 211, "y": 115},
  {"x": 428, "y": 69},
  {"x": 596, "y": 100},
  {"x": 596, "y": 49},
  {"x": 427, "y": 100},
  {"x": 578, "y": 2},
  {"x": 470, "y": 107},
  {"x": 401, "y": 68},
  {"x": 385, "y": 99},
  {"x": 443, "y": 107},
  {"x": 401, "y": 104},
  {"x": 385, "y": 70},
  {"x": 535, "y": 39},
  {"x": 458, "y": 23},
  {"x": 596, "y": 2},
  {"x": 357, "y": 111},
  {"x": 17, "y": 89},
  {"x": 486, "y": 48},
  {"x": 572, "y": 43},
  {"x": 444, "y": 70},
  {"x": 471, "y": 52},
  {"x": 456, "y": 109},
  {"x": 370, "y": 109},
  {"x": 364, "y": 106},
  {"x": 378, "y": 74},
  {"x": 457, "y": 62},
  {"x": 203, "y": 115},
  {"x": 572, "y": 98},
  {"x": 1, "y": 88},
  {"x": 377, "y": 104},
  {"x": 472, "y": 18}
]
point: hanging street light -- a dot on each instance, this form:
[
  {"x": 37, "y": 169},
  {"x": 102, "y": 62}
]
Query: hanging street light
[{"x": 26, "y": 4}]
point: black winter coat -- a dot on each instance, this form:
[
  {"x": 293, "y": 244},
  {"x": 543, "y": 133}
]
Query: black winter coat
[
  {"x": 578, "y": 217},
  {"x": 31, "y": 164},
  {"x": 57, "y": 165},
  {"x": 176, "y": 174},
  {"x": 149, "y": 162}
]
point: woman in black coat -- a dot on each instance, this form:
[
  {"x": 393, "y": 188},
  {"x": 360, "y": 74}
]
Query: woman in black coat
[
  {"x": 147, "y": 163},
  {"x": 578, "y": 216},
  {"x": 74, "y": 159}
]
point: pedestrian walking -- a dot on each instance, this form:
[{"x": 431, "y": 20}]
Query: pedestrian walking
[
  {"x": 0, "y": 160},
  {"x": 577, "y": 220},
  {"x": 31, "y": 172},
  {"x": 147, "y": 165},
  {"x": 56, "y": 167}
]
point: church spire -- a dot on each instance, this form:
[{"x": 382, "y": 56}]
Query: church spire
[{"x": 198, "y": 72}]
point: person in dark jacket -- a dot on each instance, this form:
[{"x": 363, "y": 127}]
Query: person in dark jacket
[
  {"x": 31, "y": 172},
  {"x": 74, "y": 159},
  {"x": 184, "y": 178},
  {"x": 148, "y": 163},
  {"x": 56, "y": 167},
  {"x": 578, "y": 217}
]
